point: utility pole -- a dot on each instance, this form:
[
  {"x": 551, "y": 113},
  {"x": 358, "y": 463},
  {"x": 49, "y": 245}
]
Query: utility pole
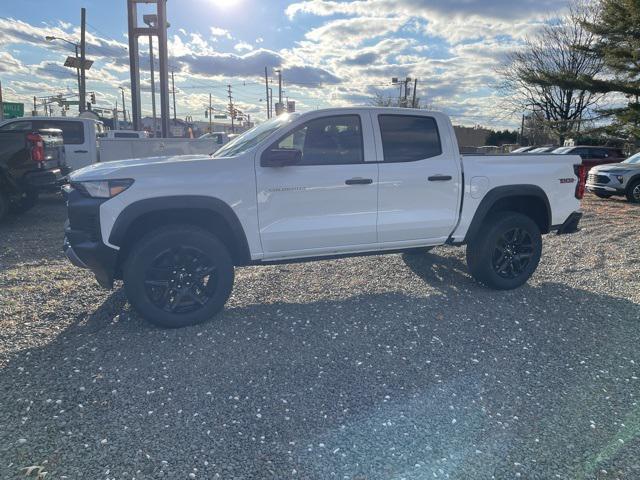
[
  {"x": 279, "y": 105},
  {"x": 266, "y": 86},
  {"x": 1, "y": 104},
  {"x": 270, "y": 102},
  {"x": 124, "y": 108},
  {"x": 231, "y": 110},
  {"x": 153, "y": 86},
  {"x": 522, "y": 131},
  {"x": 210, "y": 115},
  {"x": 406, "y": 83},
  {"x": 83, "y": 45},
  {"x": 173, "y": 91},
  {"x": 34, "y": 112},
  {"x": 415, "y": 87}
]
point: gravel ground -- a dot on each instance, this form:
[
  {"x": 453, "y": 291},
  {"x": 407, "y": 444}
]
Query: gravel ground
[{"x": 389, "y": 367}]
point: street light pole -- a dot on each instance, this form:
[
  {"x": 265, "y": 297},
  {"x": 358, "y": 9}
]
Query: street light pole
[
  {"x": 83, "y": 44},
  {"x": 50, "y": 38}
]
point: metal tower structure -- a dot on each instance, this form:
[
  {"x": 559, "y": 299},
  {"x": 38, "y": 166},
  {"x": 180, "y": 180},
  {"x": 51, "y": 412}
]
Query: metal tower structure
[{"x": 157, "y": 28}]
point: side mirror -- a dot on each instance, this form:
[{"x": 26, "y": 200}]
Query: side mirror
[{"x": 280, "y": 157}]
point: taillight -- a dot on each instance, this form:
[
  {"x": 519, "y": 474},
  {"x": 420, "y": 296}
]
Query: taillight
[
  {"x": 37, "y": 147},
  {"x": 581, "y": 173}
]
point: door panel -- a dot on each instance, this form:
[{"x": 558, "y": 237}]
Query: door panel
[
  {"x": 419, "y": 192},
  {"x": 329, "y": 199}
]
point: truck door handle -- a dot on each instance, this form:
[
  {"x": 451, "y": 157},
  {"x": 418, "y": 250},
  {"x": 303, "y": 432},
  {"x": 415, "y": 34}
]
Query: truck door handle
[
  {"x": 440, "y": 178},
  {"x": 81, "y": 151},
  {"x": 359, "y": 181}
]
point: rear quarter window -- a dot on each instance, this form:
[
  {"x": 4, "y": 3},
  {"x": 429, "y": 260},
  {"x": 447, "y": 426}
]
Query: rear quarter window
[{"x": 409, "y": 138}]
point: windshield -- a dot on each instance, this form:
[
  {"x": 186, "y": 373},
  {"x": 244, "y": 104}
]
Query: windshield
[
  {"x": 251, "y": 138},
  {"x": 635, "y": 159}
]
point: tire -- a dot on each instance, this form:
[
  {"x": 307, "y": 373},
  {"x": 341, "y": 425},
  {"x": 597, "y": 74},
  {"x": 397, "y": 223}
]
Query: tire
[
  {"x": 27, "y": 202},
  {"x": 496, "y": 256},
  {"x": 178, "y": 275},
  {"x": 4, "y": 206},
  {"x": 414, "y": 252},
  {"x": 602, "y": 195},
  {"x": 633, "y": 192}
]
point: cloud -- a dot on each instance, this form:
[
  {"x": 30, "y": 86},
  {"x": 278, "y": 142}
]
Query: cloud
[
  {"x": 497, "y": 9},
  {"x": 10, "y": 64},
  {"x": 361, "y": 59},
  {"x": 220, "y": 32},
  {"x": 251, "y": 65},
  {"x": 243, "y": 46},
  {"x": 353, "y": 31}
]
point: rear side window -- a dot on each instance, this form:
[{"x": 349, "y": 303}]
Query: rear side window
[
  {"x": 17, "y": 126},
  {"x": 409, "y": 138},
  {"x": 73, "y": 132}
]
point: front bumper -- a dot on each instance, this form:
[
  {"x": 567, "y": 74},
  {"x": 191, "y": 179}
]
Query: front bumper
[
  {"x": 595, "y": 188},
  {"x": 83, "y": 244}
]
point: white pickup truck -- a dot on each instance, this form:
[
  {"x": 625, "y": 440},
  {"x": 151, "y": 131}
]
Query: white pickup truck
[
  {"x": 86, "y": 141},
  {"x": 327, "y": 183}
]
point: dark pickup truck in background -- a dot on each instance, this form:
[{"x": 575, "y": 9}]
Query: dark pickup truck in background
[{"x": 30, "y": 162}]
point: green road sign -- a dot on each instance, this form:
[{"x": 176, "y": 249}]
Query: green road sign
[{"x": 13, "y": 110}]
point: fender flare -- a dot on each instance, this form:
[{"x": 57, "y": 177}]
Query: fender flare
[
  {"x": 135, "y": 210},
  {"x": 499, "y": 193}
]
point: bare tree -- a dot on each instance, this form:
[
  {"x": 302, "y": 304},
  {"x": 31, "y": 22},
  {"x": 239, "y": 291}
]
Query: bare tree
[
  {"x": 560, "y": 48},
  {"x": 381, "y": 101}
]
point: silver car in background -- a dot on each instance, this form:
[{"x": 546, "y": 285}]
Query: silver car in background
[{"x": 616, "y": 179}]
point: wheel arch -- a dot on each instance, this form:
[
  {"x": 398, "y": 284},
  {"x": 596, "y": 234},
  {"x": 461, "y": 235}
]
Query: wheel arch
[
  {"x": 529, "y": 200},
  {"x": 633, "y": 180},
  {"x": 209, "y": 213}
]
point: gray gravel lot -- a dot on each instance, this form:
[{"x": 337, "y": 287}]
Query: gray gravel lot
[{"x": 389, "y": 367}]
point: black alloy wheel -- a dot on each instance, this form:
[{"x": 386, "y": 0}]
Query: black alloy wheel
[
  {"x": 181, "y": 280},
  {"x": 512, "y": 254},
  {"x": 506, "y": 250},
  {"x": 178, "y": 275}
]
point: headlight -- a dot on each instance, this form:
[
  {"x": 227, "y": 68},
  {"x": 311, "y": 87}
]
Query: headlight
[{"x": 103, "y": 188}]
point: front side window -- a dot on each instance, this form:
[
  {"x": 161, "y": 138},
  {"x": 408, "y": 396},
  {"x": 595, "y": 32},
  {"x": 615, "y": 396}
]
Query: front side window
[
  {"x": 72, "y": 132},
  {"x": 17, "y": 126},
  {"x": 327, "y": 141},
  {"x": 407, "y": 138}
]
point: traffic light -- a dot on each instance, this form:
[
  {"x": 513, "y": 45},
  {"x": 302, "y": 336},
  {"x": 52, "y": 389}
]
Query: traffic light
[
  {"x": 206, "y": 114},
  {"x": 93, "y": 98}
]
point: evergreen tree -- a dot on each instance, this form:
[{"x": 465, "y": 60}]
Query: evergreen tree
[{"x": 617, "y": 44}]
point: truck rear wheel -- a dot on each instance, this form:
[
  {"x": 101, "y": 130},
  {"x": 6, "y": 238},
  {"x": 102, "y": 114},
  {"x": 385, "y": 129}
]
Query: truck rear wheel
[
  {"x": 178, "y": 275},
  {"x": 506, "y": 251}
]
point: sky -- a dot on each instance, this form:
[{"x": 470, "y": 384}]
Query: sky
[{"x": 332, "y": 53}]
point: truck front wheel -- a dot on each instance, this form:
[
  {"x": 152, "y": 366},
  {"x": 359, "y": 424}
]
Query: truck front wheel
[
  {"x": 506, "y": 251},
  {"x": 178, "y": 275}
]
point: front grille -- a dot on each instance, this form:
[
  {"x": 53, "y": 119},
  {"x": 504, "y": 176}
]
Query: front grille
[{"x": 598, "y": 179}]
